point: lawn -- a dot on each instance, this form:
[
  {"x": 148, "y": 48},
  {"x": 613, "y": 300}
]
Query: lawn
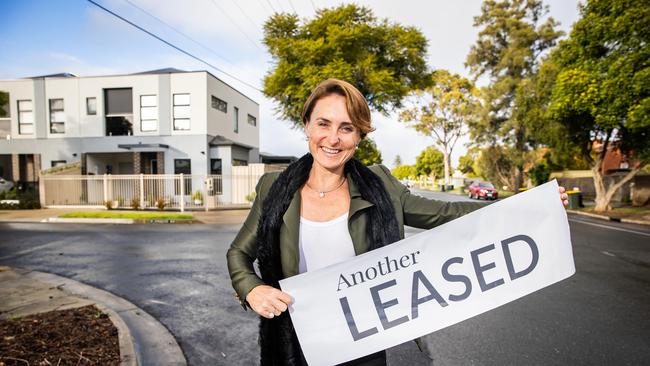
[{"x": 128, "y": 215}]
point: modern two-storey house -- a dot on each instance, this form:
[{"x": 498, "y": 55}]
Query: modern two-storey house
[{"x": 158, "y": 122}]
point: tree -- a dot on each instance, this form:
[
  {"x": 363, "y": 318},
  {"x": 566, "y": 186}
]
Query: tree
[
  {"x": 398, "y": 161},
  {"x": 4, "y": 104},
  {"x": 404, "y": 171},
  {"x": 511, "y": 40},
  {"x": 466, "y": 162},
  {"x": 430, "y": 163},
  {"x": 384, "y": 60},
  {"x": 600, "y": 89},
  {"x": 367, "y": 152},
  {"x": 495, "y": 165},
  {"x": 441, "y": 110}
]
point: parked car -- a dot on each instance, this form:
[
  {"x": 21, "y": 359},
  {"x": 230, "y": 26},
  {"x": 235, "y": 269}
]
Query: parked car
[
  {"x": 5, "y": 185},
  {"x": 484, "y": 190}
]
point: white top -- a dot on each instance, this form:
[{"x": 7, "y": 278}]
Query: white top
[{"x": 324, "y": 243}]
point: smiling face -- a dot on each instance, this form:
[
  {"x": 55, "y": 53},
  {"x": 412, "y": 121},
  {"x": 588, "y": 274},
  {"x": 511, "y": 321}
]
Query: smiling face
[{"x": 332, "y": 136}]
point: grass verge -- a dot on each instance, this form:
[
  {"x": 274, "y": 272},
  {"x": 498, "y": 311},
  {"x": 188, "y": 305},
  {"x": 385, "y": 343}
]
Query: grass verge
[
  {"x": 128, "y": 215},
  {"x": 625, "y": 212}
]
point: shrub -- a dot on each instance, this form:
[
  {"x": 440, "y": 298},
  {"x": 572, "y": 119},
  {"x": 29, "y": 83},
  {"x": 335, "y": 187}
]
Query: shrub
[
  {"x": 108, "y": 204},
  {"x": 161, "y": 203},
  {"x": 135, "y": 203},
  {"x": 197, "y": 196},
  {"x": 250, "y": 197}
]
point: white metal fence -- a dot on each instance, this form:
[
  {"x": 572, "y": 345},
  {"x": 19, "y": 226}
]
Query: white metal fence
[{"x": 153, "y": 191}]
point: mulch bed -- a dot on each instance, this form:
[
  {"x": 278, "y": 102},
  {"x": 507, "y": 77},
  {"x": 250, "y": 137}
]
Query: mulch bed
[{"x": 81, "y": 336}]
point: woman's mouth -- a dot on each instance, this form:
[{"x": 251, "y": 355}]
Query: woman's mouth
[{"x": 330, "y": 151}]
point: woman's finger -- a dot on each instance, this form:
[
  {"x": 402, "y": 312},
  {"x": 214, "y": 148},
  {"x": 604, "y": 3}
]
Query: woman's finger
[{"x": 285, "y": 298}]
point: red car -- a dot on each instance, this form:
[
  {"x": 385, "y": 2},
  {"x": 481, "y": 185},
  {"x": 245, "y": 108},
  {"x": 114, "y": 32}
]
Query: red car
[{"x": 484, "y": 190}]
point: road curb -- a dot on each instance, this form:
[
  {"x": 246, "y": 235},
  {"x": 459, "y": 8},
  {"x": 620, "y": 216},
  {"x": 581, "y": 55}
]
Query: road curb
[
  {"x": 127, "y": 350},
  {"x": 88, "y": 221},
  {"x": 634, "y": 221},
  {"x": 151, "y": 342},
  {"x": 607, "y": 218},
  {"x": 65, "y": 220},
  {"x": 602, "y": 217}
]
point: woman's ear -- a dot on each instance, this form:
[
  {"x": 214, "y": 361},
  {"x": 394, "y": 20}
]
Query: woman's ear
[{"x": 306, "y": 130}]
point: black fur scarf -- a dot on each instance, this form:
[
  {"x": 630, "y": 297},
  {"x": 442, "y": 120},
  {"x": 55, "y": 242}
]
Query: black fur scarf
[{"x": 278, "y": 341}]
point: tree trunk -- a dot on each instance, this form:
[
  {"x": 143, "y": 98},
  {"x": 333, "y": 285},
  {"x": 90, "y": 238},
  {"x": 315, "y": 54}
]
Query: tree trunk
[
  {"x": 519, "y": 178},
  {"x": 604, "y": 194},
  {"x": 446, "y": 158}
]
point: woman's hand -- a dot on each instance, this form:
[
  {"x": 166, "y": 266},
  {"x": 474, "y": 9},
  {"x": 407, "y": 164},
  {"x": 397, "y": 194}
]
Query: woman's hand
[
  {"x": 268, "y": 301},
  {"x": 563, "y": 196}
]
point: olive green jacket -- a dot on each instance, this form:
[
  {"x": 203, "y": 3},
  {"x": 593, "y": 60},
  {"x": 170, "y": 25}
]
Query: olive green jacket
[{"x": 409, "y": 209}]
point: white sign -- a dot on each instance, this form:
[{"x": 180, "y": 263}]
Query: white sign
[{"x": 432, "y": 280}]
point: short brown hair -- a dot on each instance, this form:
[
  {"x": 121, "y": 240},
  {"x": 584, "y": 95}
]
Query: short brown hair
[{"x": 356, "y": 104}]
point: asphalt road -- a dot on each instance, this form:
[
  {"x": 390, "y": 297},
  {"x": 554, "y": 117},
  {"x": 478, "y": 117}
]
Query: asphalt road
[{"x": 178, "y": 274}]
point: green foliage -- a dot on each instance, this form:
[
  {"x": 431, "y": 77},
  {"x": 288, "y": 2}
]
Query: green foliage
[
  {"x": 383, "y": 59},
  {"x": 251, "y": 196},
  {"x": 27, "y": 199},
  {"x": 600, "y": 78},
  {"x": 135, "y": 203},
  {"x": 513, "y": 36},
  {"x": 367, "y": 152},
  {"x": 430, "y": 162},
  {"x": 494, "y": 164},
  {"x": 466, "y": 162},
  {"x": 398, "y": 161},
  {"x": 4, "y": 104},
  {"x": 404, "y": 171},
  {"x": 540, "y": 172},
  {"x": 442, "y": 109},
  {"x": 197, "y": 196}
]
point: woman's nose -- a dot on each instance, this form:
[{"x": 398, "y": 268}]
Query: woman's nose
[{"x": 333, "y": 137}]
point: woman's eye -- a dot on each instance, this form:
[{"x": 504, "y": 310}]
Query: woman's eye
[{"x": 348, "y": 129}]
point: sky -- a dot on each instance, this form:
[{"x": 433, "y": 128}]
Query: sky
[{"x": 40, "y": 37}]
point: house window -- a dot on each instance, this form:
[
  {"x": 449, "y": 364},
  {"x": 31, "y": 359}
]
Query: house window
[
  {"x": 236, "y": 120},
  {"x": 119, "y": 111},
  {"x": 183, "y": 166},
  {"x": 219, "y": 104},
  {"x": 252, "y": 120},
  {"x": 5, "y": 116},
  {"x": 25, "y": 117},
  {"x": 215, "y": 166},
  {"x": 239, "y": 162},
  {"x": 181, "y": 112},
  {"x": 91, "y": 106},
  {"x": 57, "y": 116},
  {"x": 56, "y": 163},
  {"x": 148, "y": 113}
]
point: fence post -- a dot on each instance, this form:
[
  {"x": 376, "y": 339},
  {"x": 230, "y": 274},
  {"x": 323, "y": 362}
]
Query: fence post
[
  {"x": 205, "y": 193},
  {"x": 105, "y": 189},
  {"x": 182, "y": 193},
  {"x": 141, "y": 190}
]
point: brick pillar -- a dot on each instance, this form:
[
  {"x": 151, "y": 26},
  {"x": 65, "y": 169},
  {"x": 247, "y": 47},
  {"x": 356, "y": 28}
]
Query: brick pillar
[
  {"x": 29, "y": 168},
  {"x": 37, "y": 167},
  {"x": 84, "y": 166},
  {"x": 137, "y": 162},
  {"x": 15, "y": 167},
  {"x": 160, "y": 162}
]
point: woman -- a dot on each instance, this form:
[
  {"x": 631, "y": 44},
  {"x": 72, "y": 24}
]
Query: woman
[{"x": 323, "y": 209}]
